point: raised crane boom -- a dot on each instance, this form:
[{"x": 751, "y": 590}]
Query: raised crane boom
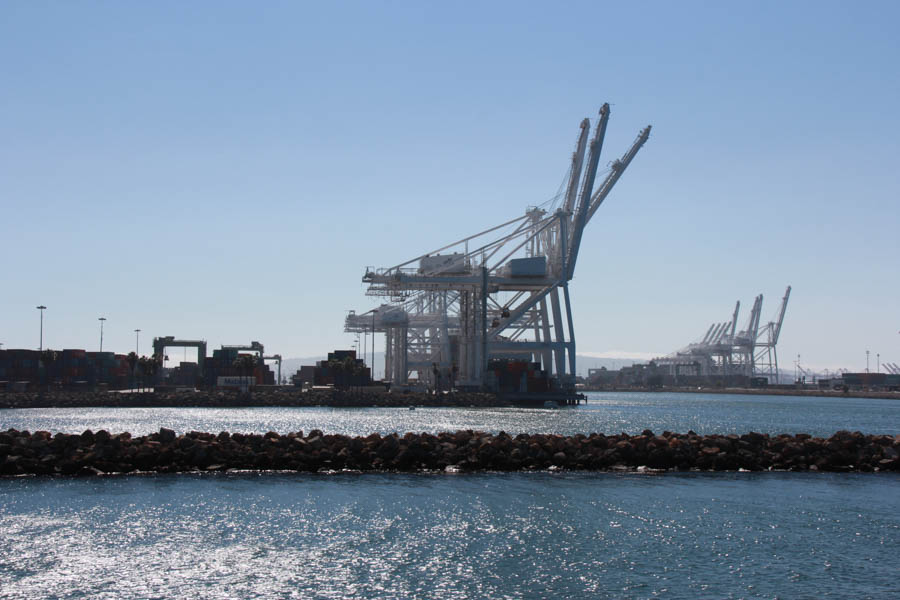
[
  {"x": 737, "y": 308},
  {"x": 618, "y": 167},
  {"x": 784, "y": 301},
  {"x": 577, "y": 162},
  {"x": 587, "y": 188},
  {"x": 753, "y": 327}
]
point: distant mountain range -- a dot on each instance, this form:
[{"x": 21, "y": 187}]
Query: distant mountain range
[{"x": 289, "y": 366}]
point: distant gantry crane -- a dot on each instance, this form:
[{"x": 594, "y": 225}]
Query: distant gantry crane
[
  {"x": 725, "y": 352},
  {"x": 256, "y": 347},
  {"x": 499, "y": 293},
  {"x": 277, "y": 359},
  {"x": 260, "y": 351},
  {"x": 765, "y": 355},
  {"x": 161, "y": 343}
]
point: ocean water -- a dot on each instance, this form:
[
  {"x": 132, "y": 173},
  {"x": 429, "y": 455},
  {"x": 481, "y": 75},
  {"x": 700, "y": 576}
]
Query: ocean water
[
  {"x": 604, "y": 412},
  {"x": 528, "y": 535},
  {"x": 488, "y": 535}
]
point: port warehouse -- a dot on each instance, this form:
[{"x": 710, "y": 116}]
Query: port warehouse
[
  {"x": 76, "y": 368},
  {"x": 651, "y": 375}
]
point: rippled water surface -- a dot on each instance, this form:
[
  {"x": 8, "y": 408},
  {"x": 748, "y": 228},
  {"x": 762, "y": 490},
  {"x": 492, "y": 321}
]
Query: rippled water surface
[
  {"x": 520, "y": 535},
  {"x": 605, "y": 412},
  {"x": 534, "y": 535}
]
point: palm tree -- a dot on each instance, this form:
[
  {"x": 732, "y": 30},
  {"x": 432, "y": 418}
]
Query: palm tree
[
  {"x": 155, "y": 364},
  {"x": 350, "y": 370},
  {"x": 132, "y": 362},
  {"x": 47, "y": 358},
  {"x": 336, "y": 367},
  {"x": 149, "y": 367}
]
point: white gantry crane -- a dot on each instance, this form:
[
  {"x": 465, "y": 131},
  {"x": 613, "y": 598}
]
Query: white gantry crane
[
  {"x": 765, "y": 356},
  {"x": 726, "y": 352},
  {"x": 500, "y": 293}
]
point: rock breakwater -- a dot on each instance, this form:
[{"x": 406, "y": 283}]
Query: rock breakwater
[{"x": 95, "y": 453}]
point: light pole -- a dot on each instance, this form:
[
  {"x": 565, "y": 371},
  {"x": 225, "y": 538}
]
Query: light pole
[
  {"x": 101, "y": 319},
  {"x": 374, "y": 310},
  {"x": 42, "y": 308},
  {"x": 867, "y": 361},
  {"x": 878, "y": 363},
  {"x": 137, "y": 344}
]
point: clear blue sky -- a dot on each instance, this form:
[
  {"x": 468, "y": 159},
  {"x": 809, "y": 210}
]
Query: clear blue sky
[{"x": 226, "y": 170}]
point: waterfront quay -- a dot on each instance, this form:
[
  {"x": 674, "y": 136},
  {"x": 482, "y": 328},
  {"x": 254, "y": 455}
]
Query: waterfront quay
[{"x": 811, "y": 392}]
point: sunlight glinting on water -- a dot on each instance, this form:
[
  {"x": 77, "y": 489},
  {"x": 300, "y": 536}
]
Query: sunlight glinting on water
[
  {"x": 605, "y": 412},
  {"x": 401, "y": 536}
]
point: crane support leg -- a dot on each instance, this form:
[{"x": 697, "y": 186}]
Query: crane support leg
[
  {"x": 445, "y": 333},
  {"x": 545, "y": 323},
  {"x": 571, "y": 344},
  {"x": 558, "y": 347},
  {"x": 388, "y": 353},
  {"x": 482, "y": 364}
]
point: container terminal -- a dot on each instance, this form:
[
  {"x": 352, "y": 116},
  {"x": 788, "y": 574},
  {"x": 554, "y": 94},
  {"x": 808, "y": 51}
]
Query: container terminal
[
  {"x": 488, "y": 312},
  {"x": 229, "y": 366},
  {"x": 492, "y": 310}
]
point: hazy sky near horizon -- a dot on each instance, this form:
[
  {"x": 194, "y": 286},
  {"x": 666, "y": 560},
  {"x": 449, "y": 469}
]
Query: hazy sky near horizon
[{"x": 227, "y": 170}]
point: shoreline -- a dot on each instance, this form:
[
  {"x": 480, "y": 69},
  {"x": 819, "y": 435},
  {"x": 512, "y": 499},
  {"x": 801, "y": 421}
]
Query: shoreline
[
  {"x": 768, "y": 391},
  {"x": 292, "y": 397},
  {"x": 274, "y": 397},
  {"x": 100, "y": 453}
]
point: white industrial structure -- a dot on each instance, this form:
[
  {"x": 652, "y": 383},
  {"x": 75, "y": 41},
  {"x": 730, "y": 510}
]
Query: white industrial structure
[
  {"x": 500, "y": 293},
  {"x": 726, "y": 352}
]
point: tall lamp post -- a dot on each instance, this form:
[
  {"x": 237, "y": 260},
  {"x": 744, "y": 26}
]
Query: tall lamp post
[
  {"x": 42, "y": 308},
  {"x": 374, "y": 310},
  {"x": 137, "y": 341},
  {"x": 101, "y": 319},
  {"x": 867, "y": 361}
]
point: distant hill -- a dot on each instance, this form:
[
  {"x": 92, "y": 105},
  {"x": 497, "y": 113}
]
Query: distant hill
[{"x": 289, "y": 366}]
